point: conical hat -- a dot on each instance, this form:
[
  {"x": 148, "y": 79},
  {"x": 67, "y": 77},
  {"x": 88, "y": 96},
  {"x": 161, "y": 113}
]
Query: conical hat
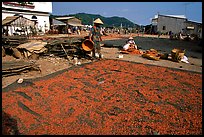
[
  {"x": 130, "y": 37},
  {"x": 98, "y": 21}
]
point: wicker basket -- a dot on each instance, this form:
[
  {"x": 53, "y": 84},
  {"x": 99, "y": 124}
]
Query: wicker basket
[
  {"x": 177, "y": 54},
  {"x": 87, "y": 45}
]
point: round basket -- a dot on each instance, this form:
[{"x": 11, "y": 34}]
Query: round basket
[{"x": 87, "y": 45}]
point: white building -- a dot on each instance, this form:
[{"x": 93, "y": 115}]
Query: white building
[
  {"x": 166, "y": 23},
  {"x": 36, "y": 11}
]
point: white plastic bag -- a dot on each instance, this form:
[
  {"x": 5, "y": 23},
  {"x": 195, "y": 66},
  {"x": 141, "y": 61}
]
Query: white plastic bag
[{"x": 184, "y": 59}]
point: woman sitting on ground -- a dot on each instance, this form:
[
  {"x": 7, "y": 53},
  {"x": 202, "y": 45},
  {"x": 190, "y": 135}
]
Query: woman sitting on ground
[{"x": 130, "y": 44}]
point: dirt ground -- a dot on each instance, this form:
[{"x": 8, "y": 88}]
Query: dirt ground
[{"x": 114, "y": 42}]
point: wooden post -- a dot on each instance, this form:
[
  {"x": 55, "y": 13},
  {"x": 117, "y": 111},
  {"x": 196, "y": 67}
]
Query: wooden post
[
  {"x": 65, "y": 52},
  {"x": 7, "y": 30}
]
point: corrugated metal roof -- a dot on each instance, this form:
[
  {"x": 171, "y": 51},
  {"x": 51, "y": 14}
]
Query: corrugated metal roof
[
  {"x": 57, "y": 22},
  {"x": 75, "y": 24},
  {"x": 9, "y": 19},
  {"x": 64, "y": 18},
  {"x": 174, "y": 16},
  {"x": 177, "y": 16},
  {"x": 73, "y": 21},
  {"x": 194, "y": 22},
  {"x": 15, "y": 20}
]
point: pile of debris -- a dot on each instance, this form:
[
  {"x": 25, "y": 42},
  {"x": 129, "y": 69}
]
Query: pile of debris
[
  {"x": 61, "y": 47},
  {"x": 13, "y": 41},
  {"x": 17, "y": 67},
  {"x": 9, "y": 44},
  {"x": 70, "y": 48}
]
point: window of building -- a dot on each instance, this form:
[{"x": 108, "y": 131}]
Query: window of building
[
  {"x": 34, "y": 17},
  {"x": 164, "y": 28}
]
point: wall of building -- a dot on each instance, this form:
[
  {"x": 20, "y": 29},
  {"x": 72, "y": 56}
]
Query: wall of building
[
  {"x": 197, "y": 28},
  {"x": 171, "y": 24},
  {"x": 39, "y": 11},
  {"x": 43, "y": 24}
]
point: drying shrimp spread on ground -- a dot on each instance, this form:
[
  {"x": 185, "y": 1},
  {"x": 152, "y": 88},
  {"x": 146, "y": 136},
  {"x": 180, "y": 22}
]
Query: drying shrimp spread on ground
[{"x": 108, "y": 97}]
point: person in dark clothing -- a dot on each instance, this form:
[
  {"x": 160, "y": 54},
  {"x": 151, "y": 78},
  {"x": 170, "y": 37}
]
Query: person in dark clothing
[{"x": 170, "y": 34}]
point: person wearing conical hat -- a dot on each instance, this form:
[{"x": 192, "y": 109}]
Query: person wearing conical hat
[
  {"x": 130, "y": 44},
  {"x": 95, "y": 36}
]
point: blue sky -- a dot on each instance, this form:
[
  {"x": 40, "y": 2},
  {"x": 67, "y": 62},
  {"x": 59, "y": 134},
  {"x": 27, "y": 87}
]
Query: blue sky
[{"x": 137, "y": 12}]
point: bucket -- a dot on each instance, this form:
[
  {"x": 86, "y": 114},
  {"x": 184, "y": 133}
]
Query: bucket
[
  {"x": 177, "y": 54},
  {"x": 87, "y": 45}
]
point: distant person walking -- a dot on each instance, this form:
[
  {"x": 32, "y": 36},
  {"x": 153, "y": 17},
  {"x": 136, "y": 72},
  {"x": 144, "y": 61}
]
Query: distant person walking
[
  {"x": 95, "y": 36},
  {"x": 170, "y": 35},
  {"x": 159, "y": 34}
]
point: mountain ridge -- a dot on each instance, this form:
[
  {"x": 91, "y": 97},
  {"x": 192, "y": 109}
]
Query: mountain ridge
[{"x": 115, "y": 21}]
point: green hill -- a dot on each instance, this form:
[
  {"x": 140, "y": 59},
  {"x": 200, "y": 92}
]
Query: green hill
[{"x": 87, "y": 19}]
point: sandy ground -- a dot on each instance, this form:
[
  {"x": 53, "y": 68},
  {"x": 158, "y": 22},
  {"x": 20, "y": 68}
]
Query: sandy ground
[{"x": 49, "y": 65}]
